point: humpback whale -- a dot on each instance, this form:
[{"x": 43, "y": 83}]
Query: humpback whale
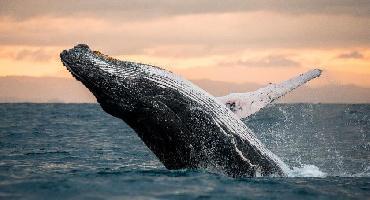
[{"x": 183, "y": 125}]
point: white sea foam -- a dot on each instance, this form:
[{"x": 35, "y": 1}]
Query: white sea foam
[{"x": 306, "y": 171}]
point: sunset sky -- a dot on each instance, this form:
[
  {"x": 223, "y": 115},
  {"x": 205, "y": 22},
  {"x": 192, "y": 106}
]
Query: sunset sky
[{"x": 236, "y": 41}]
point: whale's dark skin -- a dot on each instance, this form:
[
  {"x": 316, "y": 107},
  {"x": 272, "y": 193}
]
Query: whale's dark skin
[{"x": 185, "y": 128}]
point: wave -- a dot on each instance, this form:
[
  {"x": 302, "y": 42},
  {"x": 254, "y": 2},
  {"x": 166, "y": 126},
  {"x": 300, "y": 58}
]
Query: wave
[
  {"x": 314, "y": 171},
  {"x": 46, "y": 153}
]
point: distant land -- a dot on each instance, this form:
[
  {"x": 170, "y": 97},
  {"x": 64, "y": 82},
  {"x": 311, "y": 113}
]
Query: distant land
[{"x": 67, "y": 90}]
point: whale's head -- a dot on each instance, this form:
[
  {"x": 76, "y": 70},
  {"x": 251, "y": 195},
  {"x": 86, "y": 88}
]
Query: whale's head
[
  {"x": 146, "y": 97},
  {"x": 115, "y": 84}
]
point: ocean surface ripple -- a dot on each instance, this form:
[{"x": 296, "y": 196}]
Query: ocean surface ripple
[{"x": 75, "y": 151}]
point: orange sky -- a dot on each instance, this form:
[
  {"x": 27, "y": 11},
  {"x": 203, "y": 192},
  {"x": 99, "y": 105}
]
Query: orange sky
[{"x": 258, "y": 41}]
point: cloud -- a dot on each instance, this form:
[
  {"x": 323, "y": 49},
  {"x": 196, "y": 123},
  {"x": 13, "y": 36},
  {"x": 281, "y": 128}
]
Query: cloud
[
  {"x": 350, "y": 55},
  {"x": 28, "y": 53},
  {"x": 213, "y": 31},
  {"x": 35, "y": 55},
  {"x": 136, "y": 9},
  {"x": 269, "y": 61}
]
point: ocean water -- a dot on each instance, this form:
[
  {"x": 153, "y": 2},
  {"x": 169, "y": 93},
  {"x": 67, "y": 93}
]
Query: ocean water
[{"x": 77, "y": 151}]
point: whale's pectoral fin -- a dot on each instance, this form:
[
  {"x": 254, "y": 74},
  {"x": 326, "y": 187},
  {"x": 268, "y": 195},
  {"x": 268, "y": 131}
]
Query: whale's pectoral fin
[{"x": 246, "y": 104}]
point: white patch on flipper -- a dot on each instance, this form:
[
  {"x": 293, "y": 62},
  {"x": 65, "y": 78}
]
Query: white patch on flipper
[{"x": 246, "y": 104}]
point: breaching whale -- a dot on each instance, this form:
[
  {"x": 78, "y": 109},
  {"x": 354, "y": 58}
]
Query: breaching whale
[{"x": 183, "y": 125}]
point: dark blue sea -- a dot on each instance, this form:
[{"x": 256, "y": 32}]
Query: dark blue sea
[{"x": 77, "y": 151}]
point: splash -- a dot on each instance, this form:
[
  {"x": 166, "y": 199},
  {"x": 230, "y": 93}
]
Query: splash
[{"x": 306, "y": 171}]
